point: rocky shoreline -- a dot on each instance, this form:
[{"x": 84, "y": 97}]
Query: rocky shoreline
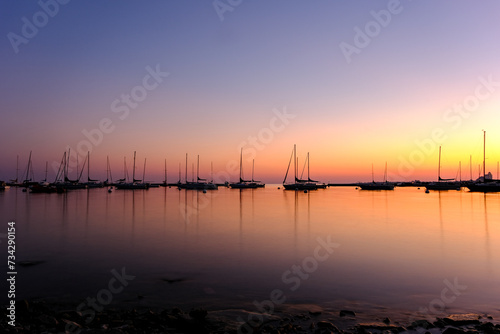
[{"x": 43, "y": 317}]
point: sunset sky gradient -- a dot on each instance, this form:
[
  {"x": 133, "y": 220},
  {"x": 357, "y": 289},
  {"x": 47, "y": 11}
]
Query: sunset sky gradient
[{"x": 424, "y": 74}]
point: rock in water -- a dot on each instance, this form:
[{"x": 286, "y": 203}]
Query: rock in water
[
  {"x": 462, "y": 319},
  {"x": 344, "y": 313},
  {"x": 198, "y": 313},
  {"x": 328, "y": 325}
]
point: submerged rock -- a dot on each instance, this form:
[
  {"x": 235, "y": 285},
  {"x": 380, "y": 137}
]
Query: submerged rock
[
  {"x": 421, "y": 323},
  {"x": 198, "y": 313},
  {"x": 381, "y": 327},
  {"x": 327, "y": 325},
  {"x": 344, "y": 313},
  {"x": 462, "y": 319},
  {"x": 453, "y": 330}
]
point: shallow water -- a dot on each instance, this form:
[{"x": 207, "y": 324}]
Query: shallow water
[{"x": 400, "y": 249}]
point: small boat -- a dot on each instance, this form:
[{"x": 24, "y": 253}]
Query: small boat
[
  {"x": 199, "y": 184},
  {"x": 443, "y": 184},
  {"x": 486, "y": 184},
  {"x": 245, "y": 184},
  {"x": 28, "y": 179},
  {"x": 90, "y": 182},
  {"x": 300, "y": 184},
  {"x": 135, "y": 184},
  {"x": 45, "y": 188},
  {"x": 377, "y": 185}
]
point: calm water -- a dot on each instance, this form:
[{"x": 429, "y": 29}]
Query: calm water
[{"x": 231, "y": 247}]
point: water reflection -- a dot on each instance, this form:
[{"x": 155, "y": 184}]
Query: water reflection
[{"x": 239, "y": 242}]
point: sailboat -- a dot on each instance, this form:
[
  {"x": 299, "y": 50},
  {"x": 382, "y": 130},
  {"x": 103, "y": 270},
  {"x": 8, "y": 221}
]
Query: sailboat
[
  {"x": 443, "y": 184},
  {"x": 485, "y": 184},
  {"x": 90, "y": 182},
  {"x": 28, "y": 179},
  {"x": 135, "y": 184},
  {"x": 109, "y": 176},
  {"x": 67, "y": 183},
  {"x": 245, "y": 184},
  {"x": 258, "y": 183},
  {"x": 15, "y": 182},
  {"x": 298, "y": 184},
  {"x": 199, "y": 184},
  {"x": 164, "y": 184},
  {"x": 377, "y": 185}
]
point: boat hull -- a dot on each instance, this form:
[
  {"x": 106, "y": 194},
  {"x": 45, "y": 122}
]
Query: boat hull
[
  {"x": 376, "y": 186},
  {"x": 198, "y": 186},
  {"x": 301, "y": 186},
  {"x": 488, "y": 187},
  {"x": 443, "y": 186},
  {"x": 132, "y": 186},
  {"x": 246, "y": 185}
]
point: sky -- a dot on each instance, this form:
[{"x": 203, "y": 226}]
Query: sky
[{"x": 354, "y": 83}]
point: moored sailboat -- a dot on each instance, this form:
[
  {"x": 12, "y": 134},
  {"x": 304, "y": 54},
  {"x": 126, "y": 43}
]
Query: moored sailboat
[
  {"x": 135, "y": 184},
  {"x": 245, "y": 184},
  {"x": 199, "y": 184},
  {"x": 443, "y": 184},
  {"x": 484, "y": 184},
  {"x": 299, "y": 184},
  {"x": 385, "y": 185}
]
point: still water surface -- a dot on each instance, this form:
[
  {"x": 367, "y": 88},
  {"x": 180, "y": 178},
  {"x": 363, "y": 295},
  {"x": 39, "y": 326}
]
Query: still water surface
[{"x": 394, "y": 249}]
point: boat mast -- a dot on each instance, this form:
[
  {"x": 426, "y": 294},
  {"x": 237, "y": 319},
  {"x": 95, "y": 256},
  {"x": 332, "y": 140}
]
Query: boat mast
[
  {"x": 88, "y": 166},
  {"x": 165, "y": 171},
  {"x": 295, "y": 160},
  {"x": 241, "y": 165},
  {"x": 460, "y": 169},
  {"x": 470, "y": 165},
  {"x": 28, "y": 169},
  {"x": 373, "y": 179},
  {"x": 179, "y": 172},
  {"x": 133, "y": 170},
  {"x": 66, "y": 165},
  {"x": 385, "y": 173},
  {"x": 439, "y": 164},
  {"x": 125, "y": 171},
  {"x": 198, "y": 169},
  {"x": 484, "y": 157},
  {"x": 308, "y": 178},
  {"x": 253, "y": 166},
  {"x": 186, "y": 168},
  {"x": 144, "y": 172},
  {"x": 17, "y": 169},
  {"x": 288, "y": 168},
  {"x": 108, "y": 171},
  {"x": 46, "y": 169}
]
